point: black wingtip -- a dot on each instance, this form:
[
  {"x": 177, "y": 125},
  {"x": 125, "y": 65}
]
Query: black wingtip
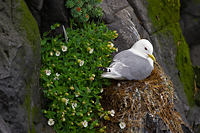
[{"x": 103, "y": 69}]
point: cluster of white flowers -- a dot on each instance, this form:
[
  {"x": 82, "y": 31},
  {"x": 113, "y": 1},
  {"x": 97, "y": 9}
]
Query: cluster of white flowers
[{"x": 57, "y": 76}]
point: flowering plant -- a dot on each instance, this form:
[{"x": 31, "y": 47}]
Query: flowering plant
[
  {"x": 69, "y": 77},
  {"x": 82, "y": 10}
]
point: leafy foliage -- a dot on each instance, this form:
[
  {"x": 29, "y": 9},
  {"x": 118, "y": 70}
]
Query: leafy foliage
[
  {"x": 69, "y": 77},
  {"x": 82, "y": 10}
]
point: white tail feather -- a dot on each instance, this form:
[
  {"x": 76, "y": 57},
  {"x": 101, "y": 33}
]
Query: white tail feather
[{"x": 112, "y": 76}]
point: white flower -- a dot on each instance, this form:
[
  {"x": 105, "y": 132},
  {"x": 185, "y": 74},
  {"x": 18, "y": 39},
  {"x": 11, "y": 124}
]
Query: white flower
[
  {"x": 57, "y": 75},
  {"x": 51, "y": 122},
  {"x": 64, "y": 48},
  {"x": 101, "y": 90},
  {"x": 76, "y": 94},
  {"x": 136, "y": 90},
  {"x": 118, "y": 84},
  {"x": 122, "y": 125},
  {"x": 66, "y": 102},
  {"x": 48, "y": 72},
  {"x": 116, "y": 49},
  {"x": 112, "y": 112},
  {"x": 81, "y": 63},
  {"x": 51, "y": 53},
  {"x": 85, "y": 123},
  {"x": 88, "y": 90},
  {"x": 57, "y": 53},
  {"x": 112, "y": 45},
  {"x": 56, "y": 78},
  {"x": 74, "y": 105},
  {"x": 91, "y": 50}
]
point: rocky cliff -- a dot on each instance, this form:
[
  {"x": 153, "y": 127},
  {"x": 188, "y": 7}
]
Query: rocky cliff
[{"x": 158, "y": 21}]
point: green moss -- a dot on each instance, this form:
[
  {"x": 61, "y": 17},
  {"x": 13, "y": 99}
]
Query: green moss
[
  {"x": 173, "y": 33},
  {"x": 34, "y": 113},
  {"x": 165, "y": 17},
  {"x": 184, "y": 64},
  {"x": 197, "y": 75},
  {"x": 163, "y": 12},
  {"x": 197, "y": 1},
  {"x": 30, "y": 110},
  {"x": 26, "y": 23},
  {"x": 27, "y": 105},
  {"x": 28, "y": 29}
]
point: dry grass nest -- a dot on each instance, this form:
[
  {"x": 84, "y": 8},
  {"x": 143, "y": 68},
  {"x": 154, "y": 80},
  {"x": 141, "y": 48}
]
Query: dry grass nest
[{"x": 133, "y": 100}]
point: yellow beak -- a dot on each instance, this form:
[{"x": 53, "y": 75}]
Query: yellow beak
[{"x": 152, "y": 57}]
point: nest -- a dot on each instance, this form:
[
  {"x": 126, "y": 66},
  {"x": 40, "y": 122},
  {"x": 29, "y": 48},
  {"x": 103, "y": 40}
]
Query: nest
[{"x": 134, "y": 101}]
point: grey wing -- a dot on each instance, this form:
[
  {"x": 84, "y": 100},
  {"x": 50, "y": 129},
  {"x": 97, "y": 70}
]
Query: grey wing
[
  {"x": 134, "y": 67},
  {"x": 121, "y": 55}
]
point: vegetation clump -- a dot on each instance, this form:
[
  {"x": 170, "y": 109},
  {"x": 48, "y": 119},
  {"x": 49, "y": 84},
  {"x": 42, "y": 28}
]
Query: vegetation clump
[
  {"x": 69, "y": 77},
  {"x": 82, "y": 10}
]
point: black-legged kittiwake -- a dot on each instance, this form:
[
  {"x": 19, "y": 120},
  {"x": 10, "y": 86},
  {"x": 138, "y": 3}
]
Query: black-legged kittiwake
[{"x": 134, "y": 63}]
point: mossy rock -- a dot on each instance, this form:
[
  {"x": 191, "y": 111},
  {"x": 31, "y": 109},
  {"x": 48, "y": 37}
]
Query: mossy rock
[
  {"x": 197, "y": 75},
  {"x": 163, "y": 12},
  {"x": 197, "y": 81},
  {"x": 165, "y": 15}
]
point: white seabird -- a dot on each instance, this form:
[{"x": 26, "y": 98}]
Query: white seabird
[{"x": 134, "y": 63}]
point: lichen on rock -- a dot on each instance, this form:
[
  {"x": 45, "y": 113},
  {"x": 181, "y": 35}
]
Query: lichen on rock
[{"x": 165, "y": 17}]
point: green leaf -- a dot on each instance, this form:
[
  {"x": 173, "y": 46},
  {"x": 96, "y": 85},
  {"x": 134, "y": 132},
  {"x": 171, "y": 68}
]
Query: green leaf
[
  {"x": 93, "y": 123},
  {"x": 43, "y": 41},
  {"x": 56, "y": 83},
  {"x": 52, "y": 27},
  {"x": 51, "y": 113}
]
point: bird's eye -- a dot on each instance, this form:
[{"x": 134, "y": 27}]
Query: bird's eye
[{"x": 145, "y": 48}]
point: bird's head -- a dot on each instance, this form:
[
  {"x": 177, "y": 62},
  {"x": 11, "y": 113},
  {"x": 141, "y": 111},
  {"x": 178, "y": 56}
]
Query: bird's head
[{"x": 144, "y": 48}]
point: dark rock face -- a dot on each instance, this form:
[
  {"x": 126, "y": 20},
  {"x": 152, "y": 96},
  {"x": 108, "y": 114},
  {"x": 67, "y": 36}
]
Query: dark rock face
[
  {"x": 189, "y": 22},
  {"x": 190, "y": 19},
  {"x": 49, "y": 12},
  {"x": 20, "y": 99},
  {"x": 19, "y": 68}
]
